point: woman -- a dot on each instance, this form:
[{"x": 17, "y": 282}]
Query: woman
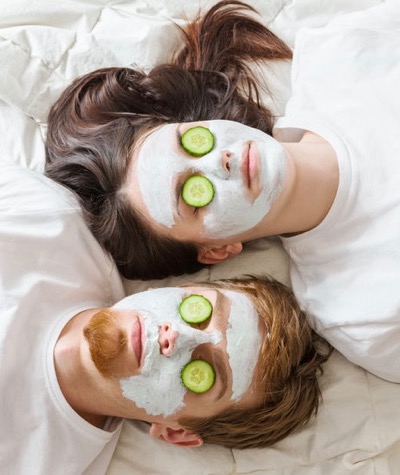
[
  {"x": 99, "y": 119},
  {"x": 318, "y": 183}
]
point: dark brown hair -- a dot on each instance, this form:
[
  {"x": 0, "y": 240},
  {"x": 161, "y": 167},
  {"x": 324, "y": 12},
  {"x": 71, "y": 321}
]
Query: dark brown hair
[
  {"x": 95, "y": 124},
  {"x": 292, "y": 358}
]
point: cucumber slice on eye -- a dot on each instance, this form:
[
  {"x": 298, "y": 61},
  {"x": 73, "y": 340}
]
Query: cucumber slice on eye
[
  {"x": 197, "y": 191},
  {"x": 198, "y": 141},
  {"x": 195, "y": 309},
  {"x": 198, "y": 376}
]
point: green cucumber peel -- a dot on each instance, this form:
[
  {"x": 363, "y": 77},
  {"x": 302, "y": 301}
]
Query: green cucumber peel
[
  {"x": 198, "y": 376},
  {"x": 197, "y": 191},
  {"x": 195, "y": 309},
  {"x": 198, "y": 141}
]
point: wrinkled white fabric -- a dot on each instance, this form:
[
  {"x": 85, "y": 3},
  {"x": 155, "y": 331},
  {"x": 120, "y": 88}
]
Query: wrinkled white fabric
[
  {"x": 346, "y": 271},
  {"x": 43, "y": 46},
  {"x": 51, "y": 268}
]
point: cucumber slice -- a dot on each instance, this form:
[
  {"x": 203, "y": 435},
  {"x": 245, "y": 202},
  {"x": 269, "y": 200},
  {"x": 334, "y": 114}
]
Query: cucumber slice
[
  {"x": 195, "y": 309},
  {"x": 198, "y": 141},
  {"x": 198, "y": 376},
  {"x": 197, "y": 191}
]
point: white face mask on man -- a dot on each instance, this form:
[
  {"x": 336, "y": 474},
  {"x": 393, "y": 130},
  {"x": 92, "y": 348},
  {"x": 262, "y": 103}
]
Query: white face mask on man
[
  {"x": 158, "y": 388},
  {"x": 245, "y": 189}
]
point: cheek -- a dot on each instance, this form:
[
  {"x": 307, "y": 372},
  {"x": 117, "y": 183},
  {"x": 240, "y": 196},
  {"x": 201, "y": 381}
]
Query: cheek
[
  {"x": 160, "y": 393},
  {"x": 227, "y": 199},
  {"x": 230, "y": 213}
]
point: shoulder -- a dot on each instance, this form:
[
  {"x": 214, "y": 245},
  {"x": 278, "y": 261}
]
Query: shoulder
[
  {"x": 45, "y": 240},
  {"x": 357, "y": 318},
  {"x": 24, "y": 190},
  {"x": 363, "y": 344},
  {"x": 38, "y": 218}
]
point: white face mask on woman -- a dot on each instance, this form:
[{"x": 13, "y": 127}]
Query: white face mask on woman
[{"x": 246, "y": 167}]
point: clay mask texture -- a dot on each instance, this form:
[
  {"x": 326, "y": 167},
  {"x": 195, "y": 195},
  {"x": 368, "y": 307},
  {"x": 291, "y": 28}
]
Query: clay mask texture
[
  {"x": 162, "y": 160},
  {"x": 241, "y": 338}
]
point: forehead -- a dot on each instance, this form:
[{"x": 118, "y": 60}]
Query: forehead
[
  {"x": 149, "y": 184},
  {"x": 166, "y": 133}
]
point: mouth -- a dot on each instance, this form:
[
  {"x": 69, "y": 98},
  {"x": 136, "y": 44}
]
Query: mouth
[
  {"x": 244, "y": 165},
  {"x": 249, "y": 165},
  {"x": 136, "y": 340}
]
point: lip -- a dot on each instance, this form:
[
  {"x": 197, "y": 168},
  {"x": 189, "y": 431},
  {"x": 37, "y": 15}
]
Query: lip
[
  {"x": 136, "y": 340},
  {"x": 244, "y": 165},
  {"x": 250, "y": 166},
  {"x": 254, "y": 165}
]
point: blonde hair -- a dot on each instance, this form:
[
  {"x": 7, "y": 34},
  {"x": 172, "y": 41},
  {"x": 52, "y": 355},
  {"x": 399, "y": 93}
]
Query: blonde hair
[{"x": 292, "y": 357}]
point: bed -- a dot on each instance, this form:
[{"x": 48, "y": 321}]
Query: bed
[{"x": 43, "y": 46}]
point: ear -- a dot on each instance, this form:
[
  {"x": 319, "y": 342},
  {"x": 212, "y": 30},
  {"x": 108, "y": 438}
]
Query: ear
[
  {"x": 176, "y": 436},
  {"x": 215, "y": 255}
]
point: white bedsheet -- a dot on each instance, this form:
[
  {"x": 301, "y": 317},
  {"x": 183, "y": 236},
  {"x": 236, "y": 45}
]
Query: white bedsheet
[{"x": 45, "y": 44}]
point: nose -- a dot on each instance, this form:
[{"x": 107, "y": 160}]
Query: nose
[
  {"x": 167, "y": 339},
  {"x": 225, "y": 160}
]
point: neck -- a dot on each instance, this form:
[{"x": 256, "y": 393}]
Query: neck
[
  {"x": 76, "y": 377},
  {"x": 312, "y": 182}
]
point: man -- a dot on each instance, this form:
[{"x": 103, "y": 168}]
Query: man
[{"x": 72, "y": 365}]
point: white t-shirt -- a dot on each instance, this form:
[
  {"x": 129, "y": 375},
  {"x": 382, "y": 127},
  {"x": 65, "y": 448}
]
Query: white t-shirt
[
  {"x": 346, "y": 271},
  {"x": 51, "y": 268}
]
